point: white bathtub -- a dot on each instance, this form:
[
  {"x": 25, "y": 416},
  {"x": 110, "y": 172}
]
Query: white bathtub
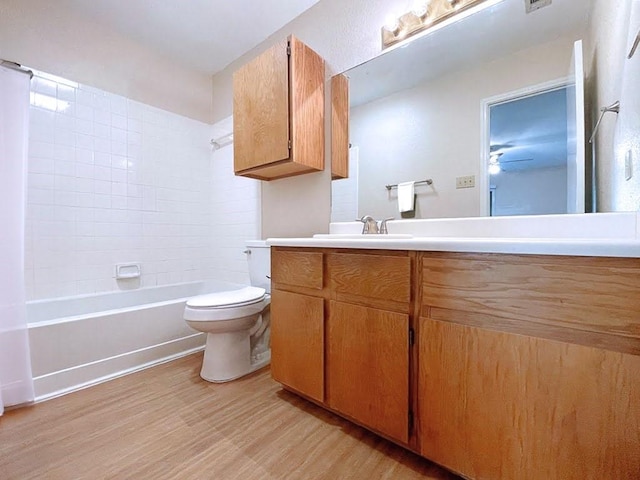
[{"x": 80, "y": 341}]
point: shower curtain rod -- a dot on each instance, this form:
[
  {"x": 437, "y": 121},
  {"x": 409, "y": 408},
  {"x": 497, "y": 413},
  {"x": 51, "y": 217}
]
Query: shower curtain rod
[{"x": 16, "y": 66}]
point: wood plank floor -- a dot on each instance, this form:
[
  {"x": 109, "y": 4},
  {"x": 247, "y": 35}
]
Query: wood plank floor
[{"x": 167, "y": 423}]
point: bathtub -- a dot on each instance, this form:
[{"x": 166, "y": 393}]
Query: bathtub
[{"x": 80, "y": 341}]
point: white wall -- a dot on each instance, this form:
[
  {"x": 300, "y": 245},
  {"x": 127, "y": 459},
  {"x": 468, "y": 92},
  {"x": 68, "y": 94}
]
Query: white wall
[
  {"x": 53, "y": 38},
  {"x": 625, "y": 194},
  {"x": 433, "y": 131},
  {"x": 112, "y": 181},
  {"x": 606, "y": 55}
]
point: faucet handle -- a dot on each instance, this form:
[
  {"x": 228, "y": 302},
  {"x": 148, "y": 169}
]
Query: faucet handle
[{"x": 383, "y": 226}]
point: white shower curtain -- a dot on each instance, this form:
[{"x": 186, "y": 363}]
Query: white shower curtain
[{"x": 16, "y": 383}]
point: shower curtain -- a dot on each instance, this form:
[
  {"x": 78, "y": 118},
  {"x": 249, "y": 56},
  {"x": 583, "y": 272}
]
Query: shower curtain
[{"x": 16, "y": 382}]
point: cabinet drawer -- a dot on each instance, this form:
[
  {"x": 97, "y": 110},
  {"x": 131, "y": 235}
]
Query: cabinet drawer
[
  {"x": 296, "y": 268},
  {"x": 379, "y": 277}
]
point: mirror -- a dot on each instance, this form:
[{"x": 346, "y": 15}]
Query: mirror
[{"x": 422, "y": 110}]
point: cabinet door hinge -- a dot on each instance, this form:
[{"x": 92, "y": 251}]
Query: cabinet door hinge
[
  {"x": 289, "y": 48},
  {"x": 289, "y": 144},
  {"x": 412, "y": 337}
]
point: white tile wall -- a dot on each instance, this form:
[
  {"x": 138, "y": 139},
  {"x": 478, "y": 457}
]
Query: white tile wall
[
  {"x": 112, "y": 181},
  {"x": 236, "y": 201}
]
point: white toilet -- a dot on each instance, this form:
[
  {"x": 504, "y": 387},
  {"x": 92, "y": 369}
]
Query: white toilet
[{"x": 236, "y": 322}]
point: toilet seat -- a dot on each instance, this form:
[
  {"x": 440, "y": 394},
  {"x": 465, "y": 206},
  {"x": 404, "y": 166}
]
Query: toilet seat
[
  {"x": 227, "y": 299},
  {"x": 228, "y": 305}
]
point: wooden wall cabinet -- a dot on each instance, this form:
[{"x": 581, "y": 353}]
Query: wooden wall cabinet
[
  {"x": 524, "y": 366},
  {"x": 339, "y": 127},
  {"x": 278, "y": 113}
]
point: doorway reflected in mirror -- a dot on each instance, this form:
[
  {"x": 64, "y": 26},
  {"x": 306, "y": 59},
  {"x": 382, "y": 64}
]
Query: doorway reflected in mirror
[{"x": 528, "y": 154}]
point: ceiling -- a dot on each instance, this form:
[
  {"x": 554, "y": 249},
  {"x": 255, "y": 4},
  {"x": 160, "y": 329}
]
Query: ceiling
[{"x": 205, "y": 35}]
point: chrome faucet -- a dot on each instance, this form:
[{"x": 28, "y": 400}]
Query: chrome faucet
[{"x": 369, "y": 225}]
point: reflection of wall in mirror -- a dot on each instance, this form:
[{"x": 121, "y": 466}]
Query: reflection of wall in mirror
[
  {"x": 433, "y": 131},
  {"x": 344, "y": 192},
  {"x": 530, "y": 192}
]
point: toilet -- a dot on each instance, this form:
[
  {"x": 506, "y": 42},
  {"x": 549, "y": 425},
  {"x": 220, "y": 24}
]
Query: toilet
[{"x": 236, "y": 322}]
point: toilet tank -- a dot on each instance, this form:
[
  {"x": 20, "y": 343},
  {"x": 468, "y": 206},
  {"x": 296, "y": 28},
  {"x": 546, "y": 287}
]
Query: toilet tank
[{"x": 259, "y": 258}]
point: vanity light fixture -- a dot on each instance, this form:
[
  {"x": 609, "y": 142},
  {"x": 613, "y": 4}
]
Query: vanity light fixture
[
  {"x": 428, "y": 15},
  {"x": 393, "y": 27},
  {"x": 421, "y": 9}
]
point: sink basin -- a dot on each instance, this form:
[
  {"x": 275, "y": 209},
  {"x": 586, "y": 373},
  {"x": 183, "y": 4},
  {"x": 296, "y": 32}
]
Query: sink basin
[{"x": 359, "y": 236}]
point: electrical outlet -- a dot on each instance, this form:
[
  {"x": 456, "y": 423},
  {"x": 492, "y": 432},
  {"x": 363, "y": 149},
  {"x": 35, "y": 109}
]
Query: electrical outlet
[{"x": 466, "y": 182}]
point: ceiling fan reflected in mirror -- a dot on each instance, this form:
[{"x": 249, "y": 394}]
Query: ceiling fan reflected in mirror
[{"x": 497, "y": 163}]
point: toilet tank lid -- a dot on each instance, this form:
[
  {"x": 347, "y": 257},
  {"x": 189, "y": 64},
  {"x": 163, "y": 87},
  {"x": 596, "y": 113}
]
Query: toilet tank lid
[{"x": 241, "y": 296}]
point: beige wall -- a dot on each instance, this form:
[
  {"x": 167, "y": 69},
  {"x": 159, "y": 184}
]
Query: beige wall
[
  {"x": 345, "y": 34},
  {"x": 43, "y": 35}
]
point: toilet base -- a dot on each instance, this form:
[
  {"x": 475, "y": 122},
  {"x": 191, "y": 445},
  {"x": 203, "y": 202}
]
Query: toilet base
[{"x": 227, "y": 356}]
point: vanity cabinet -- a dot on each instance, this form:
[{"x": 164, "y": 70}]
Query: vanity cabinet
[
  {"x": 340, "y": 333},
  {"x": 297, "y": 325},
  {"x": 278, "y": 113},
  {"x": 529, "y": 366},
  {"x": 523, "y": 367},
  {"x": 367, "y": 341}
]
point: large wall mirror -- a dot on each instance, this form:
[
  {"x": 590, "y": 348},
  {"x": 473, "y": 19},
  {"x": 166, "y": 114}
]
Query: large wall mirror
[{"x": 495, "y": 90}]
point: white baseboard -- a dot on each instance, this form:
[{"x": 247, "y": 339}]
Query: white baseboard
[{"x": 76, "y": 378}]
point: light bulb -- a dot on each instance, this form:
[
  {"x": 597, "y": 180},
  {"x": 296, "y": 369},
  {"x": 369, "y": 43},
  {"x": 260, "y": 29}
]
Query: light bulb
[
  {"x": 420, "y": 8},
  {"x": 392, "y": 25},
  {"x": 494, "y": 169}
]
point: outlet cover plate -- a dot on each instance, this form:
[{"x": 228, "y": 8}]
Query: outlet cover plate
[{"x": 466, "y": 182}]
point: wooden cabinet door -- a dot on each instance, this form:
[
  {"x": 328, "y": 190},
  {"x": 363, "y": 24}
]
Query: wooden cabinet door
[
  {"x": 495, "y": 405},
  {"x": 261, "y": 110},
  {"x": 368, "y": 367},
  {"x": 297, "y": 342}
]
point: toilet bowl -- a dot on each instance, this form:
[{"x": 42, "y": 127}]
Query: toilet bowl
[{"x": 236, "y": 322}]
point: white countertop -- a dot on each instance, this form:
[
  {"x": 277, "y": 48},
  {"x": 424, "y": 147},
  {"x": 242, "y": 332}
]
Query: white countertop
[{"x": 601, "y": 235}]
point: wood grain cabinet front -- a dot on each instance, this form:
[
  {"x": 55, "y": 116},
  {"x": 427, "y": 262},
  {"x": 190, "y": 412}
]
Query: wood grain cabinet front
[
  {"x": 368, "y": 367},
  {"x": 278, "y": 113},
  {"x": 529, "y": 366},
  {"x": 297, "y": 342},
  {"x": 524, "y": 366}
]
